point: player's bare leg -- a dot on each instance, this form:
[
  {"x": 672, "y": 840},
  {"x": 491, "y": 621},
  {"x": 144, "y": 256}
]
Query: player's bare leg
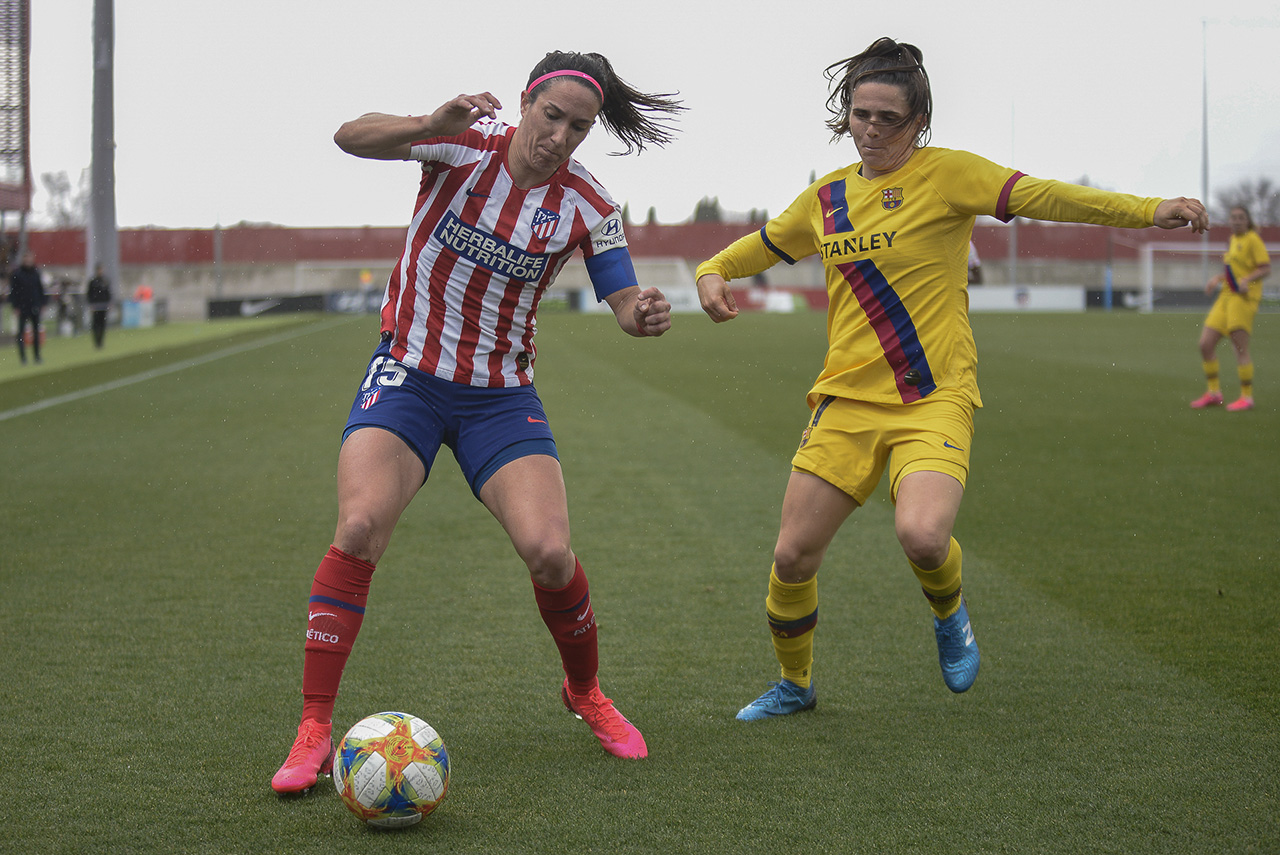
[
  {"x": 527, "y": 496},
  {"x": 1244, "y": 368},
  {"x": 925, "y": 515},
  {"x": 378, "y": 474},
  {"x": 1209, "y": 339},
  {"x": 812, "y": 512}
]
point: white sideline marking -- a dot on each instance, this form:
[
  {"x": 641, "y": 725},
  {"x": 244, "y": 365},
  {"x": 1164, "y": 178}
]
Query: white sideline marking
[{"x": 81, "y": 394}]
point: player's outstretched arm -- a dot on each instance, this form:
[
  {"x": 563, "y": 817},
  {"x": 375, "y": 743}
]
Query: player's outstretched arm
[
  {"x": 716, "y": 298},
  {"x": 381, "y": 136},
  {"x": 1179, "y": 212},
  {"x": 641, "y": 313}
]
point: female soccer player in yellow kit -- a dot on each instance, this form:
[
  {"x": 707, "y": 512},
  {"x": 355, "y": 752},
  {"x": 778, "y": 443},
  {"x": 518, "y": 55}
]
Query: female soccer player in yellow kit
[
  {"x": 899, "y": 386},
  {"x": 1239, "y": 287}
]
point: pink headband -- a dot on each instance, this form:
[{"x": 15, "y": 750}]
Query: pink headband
[{"x": 567, "y": 73}]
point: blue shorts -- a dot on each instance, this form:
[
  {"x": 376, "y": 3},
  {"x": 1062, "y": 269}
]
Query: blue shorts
[{"x": 485, "y": 428}]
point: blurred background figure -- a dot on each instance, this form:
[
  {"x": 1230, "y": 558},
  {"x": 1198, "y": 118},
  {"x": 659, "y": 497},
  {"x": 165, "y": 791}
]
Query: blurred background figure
[
  {"x": 99, "y": 299},
  {"x": 26, "y": 294}
]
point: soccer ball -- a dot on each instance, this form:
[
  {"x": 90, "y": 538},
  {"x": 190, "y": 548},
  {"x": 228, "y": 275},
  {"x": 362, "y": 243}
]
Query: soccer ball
[{"x": 391, "y": 769}]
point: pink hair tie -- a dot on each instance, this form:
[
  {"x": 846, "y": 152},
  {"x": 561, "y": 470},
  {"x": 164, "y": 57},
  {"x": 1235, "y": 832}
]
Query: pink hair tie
[{"x": 567, "y": 73}]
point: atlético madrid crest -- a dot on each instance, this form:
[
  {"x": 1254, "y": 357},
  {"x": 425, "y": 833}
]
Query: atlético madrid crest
[
  {"x": 545, "y": 222},
  {"x": 891, "y": 199}
]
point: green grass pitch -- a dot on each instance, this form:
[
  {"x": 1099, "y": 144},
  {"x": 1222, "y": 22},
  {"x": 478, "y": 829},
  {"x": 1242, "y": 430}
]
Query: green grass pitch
[{"x": 161, "y": 519}]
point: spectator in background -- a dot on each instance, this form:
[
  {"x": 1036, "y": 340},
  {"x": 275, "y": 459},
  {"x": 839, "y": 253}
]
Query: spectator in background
[
  {"x": 99, "y": 299},
  {"x": 26, "y": 293},
  {"x": 60, "y": 296}
]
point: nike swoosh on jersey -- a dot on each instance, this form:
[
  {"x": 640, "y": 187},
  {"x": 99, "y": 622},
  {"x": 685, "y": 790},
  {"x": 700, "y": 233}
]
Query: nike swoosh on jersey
[{"x": 534, "y": 421}]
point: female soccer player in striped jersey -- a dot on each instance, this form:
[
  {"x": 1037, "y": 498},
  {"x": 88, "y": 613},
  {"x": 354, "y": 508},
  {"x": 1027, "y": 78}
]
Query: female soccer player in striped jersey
[
  {"x": 499, "y": 211},
  {"x": 899, "y": 385}
]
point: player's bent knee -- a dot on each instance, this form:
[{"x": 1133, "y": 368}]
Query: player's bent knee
[
  {"x": 925, "y": 549},
  {"x": 361, "y": 536},
  {"x": 792, "y": 565},
  {"x": 550, "y": 563}
]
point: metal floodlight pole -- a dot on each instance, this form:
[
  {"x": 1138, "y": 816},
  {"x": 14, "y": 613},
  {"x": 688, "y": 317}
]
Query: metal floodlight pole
[
  {"x": 103, "y": 244},
  {"x": 17, "y": 124},
  {"x": 1204, "y": 139},
  {"x": 1013, "y": 223}
]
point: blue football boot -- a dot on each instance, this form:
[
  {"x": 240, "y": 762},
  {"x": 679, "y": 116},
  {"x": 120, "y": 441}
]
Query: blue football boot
[
  {"x": 782, "y": 698},
  {"x": 957, "y": 649}
]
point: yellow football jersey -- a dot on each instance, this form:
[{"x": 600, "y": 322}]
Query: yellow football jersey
[
  {"x": 1245, "y": 254},
  {"x": 895, "y": 252}
]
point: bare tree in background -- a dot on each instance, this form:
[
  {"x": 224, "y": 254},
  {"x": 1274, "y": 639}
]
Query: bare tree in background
[
  {"x": 708, "y": 210},
  {"x": 1261, "y": 196},
  {"x": 67, "y": 207}
]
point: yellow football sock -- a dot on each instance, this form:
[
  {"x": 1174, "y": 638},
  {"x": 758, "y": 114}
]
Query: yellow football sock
[
  {"x": 1246, "y": 380},
  {"x": 1211, "y": 375},
  {"x": 793, "y": 613},
  {"x": 942, "y": 586}
]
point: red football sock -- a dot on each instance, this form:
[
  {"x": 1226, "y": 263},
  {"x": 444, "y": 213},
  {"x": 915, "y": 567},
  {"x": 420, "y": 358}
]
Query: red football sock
[
  {"x": 334, "y": 614},
  {"x": 567, "y": 613}
]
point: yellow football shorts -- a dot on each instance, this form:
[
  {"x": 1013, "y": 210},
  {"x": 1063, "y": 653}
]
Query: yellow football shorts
[
  {"x": 1231, "y": 312},
  {"x": 848, "y": 443}
]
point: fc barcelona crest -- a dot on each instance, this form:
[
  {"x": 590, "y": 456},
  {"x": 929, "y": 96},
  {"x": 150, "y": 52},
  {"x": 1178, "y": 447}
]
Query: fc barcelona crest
[
  {"x": 545, "y": 222},
  {"x": 891, "y": 199}
]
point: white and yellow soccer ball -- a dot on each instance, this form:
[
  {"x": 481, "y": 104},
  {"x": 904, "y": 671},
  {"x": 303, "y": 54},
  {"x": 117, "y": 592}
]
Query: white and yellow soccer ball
[{"x": 391, "y": 769}]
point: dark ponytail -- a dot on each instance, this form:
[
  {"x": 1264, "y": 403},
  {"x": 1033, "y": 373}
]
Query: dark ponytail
[
  {"x": 626, "y": 111},
  {"x": 885, "y": 61}
]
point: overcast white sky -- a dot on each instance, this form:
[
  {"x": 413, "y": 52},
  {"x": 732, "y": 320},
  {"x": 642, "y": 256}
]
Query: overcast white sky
[{"x": 225, "y": 111}]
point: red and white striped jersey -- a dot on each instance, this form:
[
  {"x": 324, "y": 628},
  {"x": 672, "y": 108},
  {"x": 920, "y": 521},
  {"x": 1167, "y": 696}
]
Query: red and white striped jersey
[{"x": 480, "y": 252}]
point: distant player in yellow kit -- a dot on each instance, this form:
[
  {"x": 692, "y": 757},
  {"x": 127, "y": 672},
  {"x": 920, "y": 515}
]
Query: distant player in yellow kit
[
  {"x": 899, "y": 385},
  {"x": 1239, "y": 288}
]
